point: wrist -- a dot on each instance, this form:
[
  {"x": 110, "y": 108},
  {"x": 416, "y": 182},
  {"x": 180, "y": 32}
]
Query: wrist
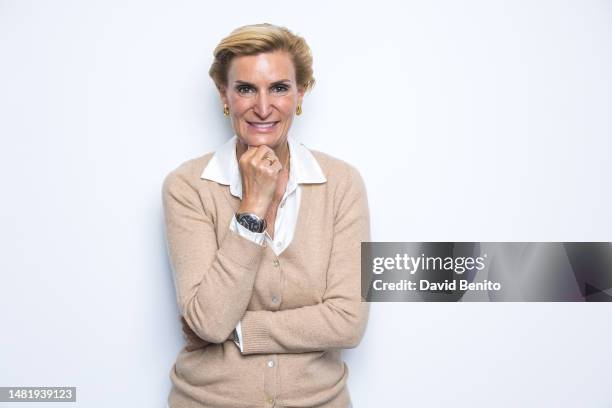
[{"x": 259, "y": 209}]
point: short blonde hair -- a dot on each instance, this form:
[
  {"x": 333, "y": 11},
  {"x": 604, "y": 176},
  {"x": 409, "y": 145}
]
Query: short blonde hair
[{"x": 260, "y": 38}]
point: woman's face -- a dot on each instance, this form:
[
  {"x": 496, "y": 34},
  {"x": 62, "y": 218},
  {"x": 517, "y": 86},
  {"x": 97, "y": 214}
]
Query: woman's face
[{"x": 262, "y": 96}]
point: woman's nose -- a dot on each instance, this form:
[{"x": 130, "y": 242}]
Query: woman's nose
[{"x": 262, "y": 105}]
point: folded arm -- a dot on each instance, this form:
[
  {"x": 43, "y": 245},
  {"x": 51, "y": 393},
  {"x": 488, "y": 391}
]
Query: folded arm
[
  {"x": 340, "y": 320},
  {"x": 213, "y": 280}
]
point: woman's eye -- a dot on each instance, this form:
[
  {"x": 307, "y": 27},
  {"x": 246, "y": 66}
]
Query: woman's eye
[
  {"x": 244, "y": 89},
  {"x": 280, "y": 88}
]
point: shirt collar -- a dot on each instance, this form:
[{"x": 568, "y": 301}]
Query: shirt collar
[{"x": 223, "y": 167}]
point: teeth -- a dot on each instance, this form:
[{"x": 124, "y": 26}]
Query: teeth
[{"x": 263, "y": 125}]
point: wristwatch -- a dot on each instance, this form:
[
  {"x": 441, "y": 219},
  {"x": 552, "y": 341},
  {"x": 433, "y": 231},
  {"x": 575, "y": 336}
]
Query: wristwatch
[{"x": 251, "y": 221}]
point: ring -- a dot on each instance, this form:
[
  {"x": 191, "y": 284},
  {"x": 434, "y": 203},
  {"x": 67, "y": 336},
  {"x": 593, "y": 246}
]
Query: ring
[{"x": 266, "y": 157}]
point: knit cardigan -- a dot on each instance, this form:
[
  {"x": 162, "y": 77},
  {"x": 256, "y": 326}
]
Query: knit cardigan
[{"x": 292, "y": 345}]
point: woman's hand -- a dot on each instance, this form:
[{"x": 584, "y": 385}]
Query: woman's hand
[{"x": 259, "y": 169}]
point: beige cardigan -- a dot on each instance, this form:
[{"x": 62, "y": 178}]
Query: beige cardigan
[{"x": 292, "y": 348}]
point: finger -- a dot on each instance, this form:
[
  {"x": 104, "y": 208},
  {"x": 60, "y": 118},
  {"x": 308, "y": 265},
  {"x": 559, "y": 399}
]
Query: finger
[
  {"x": 275, "y": 167},
  {"x": 262, "y": 151},
  {"x": 249, "y": 153}
]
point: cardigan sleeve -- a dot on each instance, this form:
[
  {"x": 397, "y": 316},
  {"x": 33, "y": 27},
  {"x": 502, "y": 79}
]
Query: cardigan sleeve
[
  {"x": 213, "y": 281},
  {"x": 339, "y": 321}
]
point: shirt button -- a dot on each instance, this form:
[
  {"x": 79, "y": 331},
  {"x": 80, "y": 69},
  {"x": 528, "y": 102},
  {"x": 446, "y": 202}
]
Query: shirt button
[
  {"x": 279, "y": 244},
  {"x": 276, "y": 263},
  {"x": 274, "y": 299},
  {"x": 270, "y": 363}
]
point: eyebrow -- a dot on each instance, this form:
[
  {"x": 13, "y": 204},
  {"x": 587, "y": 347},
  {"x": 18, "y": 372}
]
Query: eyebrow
[{"x": 282, "y": 81}]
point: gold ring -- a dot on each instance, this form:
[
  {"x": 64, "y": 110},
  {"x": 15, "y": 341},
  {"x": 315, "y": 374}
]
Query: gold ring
[{"x": 266, "y": 157}]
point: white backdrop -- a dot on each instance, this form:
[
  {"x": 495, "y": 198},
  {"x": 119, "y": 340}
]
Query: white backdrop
[{"x": 474, "y": 120}]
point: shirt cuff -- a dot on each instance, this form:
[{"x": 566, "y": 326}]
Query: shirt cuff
[
  {"x": 257, "y": 237},
  {"x": 238, "y": 341}
]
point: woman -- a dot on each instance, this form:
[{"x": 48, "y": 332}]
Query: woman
[{"x": 264, "y": 239}]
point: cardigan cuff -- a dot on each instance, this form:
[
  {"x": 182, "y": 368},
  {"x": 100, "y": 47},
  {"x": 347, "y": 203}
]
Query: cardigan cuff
[
  {"x": 255, "y": 333},
  {"x": 241, "y": 250},
  {"x": 257, "y": 237}
]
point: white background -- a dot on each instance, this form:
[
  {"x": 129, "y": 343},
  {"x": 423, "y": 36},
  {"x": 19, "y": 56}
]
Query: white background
[{"x": 472, "y": 120}]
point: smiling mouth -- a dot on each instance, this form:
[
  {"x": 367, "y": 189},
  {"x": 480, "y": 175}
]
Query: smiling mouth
[{"x": 262, "y": 125}]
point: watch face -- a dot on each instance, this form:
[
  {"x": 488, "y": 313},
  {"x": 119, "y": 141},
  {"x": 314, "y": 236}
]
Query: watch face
[
  {"x": 251, "y": 222},
  {"x": 253, "y": 225}
]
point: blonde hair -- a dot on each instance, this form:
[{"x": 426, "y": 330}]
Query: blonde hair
[{"x": 260, "y": 38}]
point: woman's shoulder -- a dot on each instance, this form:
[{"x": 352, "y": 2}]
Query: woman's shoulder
[
  {"x": 187, "y": 173},
  {"x": 335, "y": 169}
]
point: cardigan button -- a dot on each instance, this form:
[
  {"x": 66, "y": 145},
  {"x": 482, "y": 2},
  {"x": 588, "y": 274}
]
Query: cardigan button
[
  {"x": 274, "y": 299},
  {"x": 276, "y": 263}
]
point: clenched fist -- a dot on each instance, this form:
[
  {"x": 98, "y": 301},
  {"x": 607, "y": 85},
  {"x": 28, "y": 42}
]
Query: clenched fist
[{"x": 259, "y": 169}]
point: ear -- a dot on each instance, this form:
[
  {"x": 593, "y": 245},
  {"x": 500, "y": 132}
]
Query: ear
[
  {"x": 223, "y": 95},
  {"x": 301, "y": 91}
]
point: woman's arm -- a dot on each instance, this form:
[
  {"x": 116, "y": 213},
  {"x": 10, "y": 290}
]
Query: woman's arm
[
  {"x": 340, "y": 320},
  {"x": 214, "y": 283}
]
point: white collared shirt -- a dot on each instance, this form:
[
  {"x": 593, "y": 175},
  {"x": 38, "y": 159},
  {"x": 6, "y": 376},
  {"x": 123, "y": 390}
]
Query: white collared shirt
[{"x": 304, "y": 168}]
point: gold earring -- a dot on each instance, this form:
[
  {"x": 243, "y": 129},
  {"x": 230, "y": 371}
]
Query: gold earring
[
  {"x": 225, "y": 110},
  {"x": 298, "y": 110}
]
